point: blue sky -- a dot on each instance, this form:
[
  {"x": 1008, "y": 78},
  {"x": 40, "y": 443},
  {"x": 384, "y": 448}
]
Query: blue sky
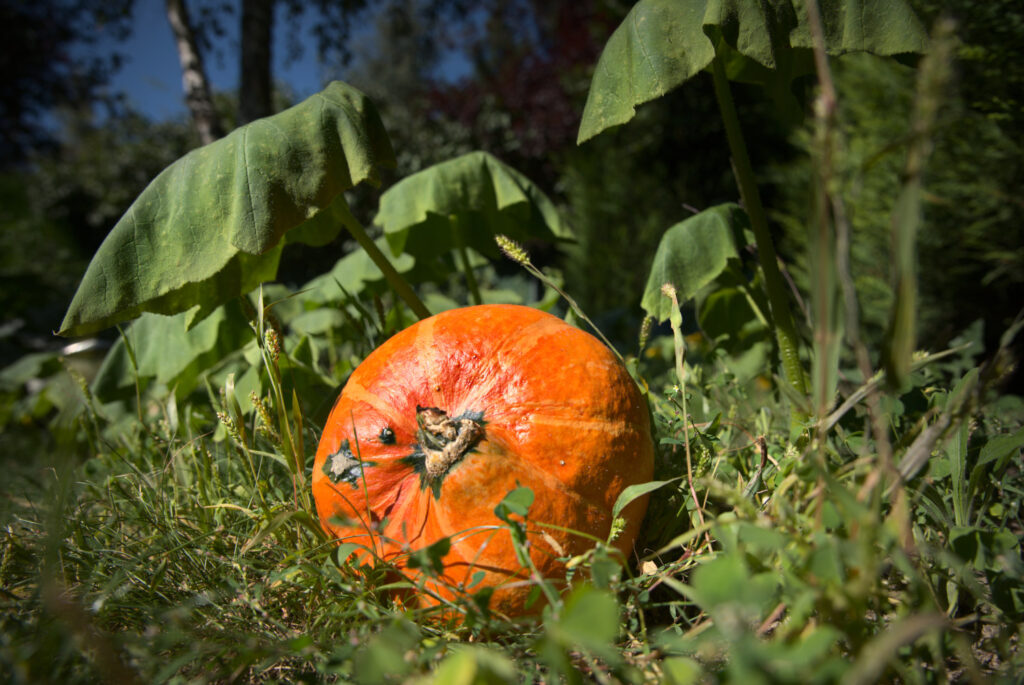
[{"x": 151, "y": 74}]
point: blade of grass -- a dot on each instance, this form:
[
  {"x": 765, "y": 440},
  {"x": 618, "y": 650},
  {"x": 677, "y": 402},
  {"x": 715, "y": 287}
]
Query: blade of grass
[{"x": 933, "y": 76}]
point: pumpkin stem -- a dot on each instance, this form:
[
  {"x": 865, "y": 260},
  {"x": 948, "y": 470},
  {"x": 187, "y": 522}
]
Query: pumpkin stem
[{"x": 444, "y": 440}]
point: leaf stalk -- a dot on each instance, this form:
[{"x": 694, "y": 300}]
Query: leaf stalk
[
  {"x": 394, "y": 279},
  {"x": 463, "y": 253},
  {"x": 785, "y": 329}
]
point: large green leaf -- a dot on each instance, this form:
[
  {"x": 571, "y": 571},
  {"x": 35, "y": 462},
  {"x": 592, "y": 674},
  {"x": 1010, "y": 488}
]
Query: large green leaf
[
  {"x": 170, "y": 352},
  {"x": 663, "y": 43},
  {"x": 27, "y": 368},
  {"x": 485, "y": 197},
  {"x": 692, "y": 254},
  {"x": 209, "y": 227},
  {"x": 352, "y": 274}
]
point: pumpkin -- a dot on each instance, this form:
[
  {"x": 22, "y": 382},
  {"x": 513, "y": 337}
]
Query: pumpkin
[{"x": 448, "y": 416}]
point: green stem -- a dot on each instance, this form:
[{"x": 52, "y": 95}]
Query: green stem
[
  {"x": 394, "y": 279},
  {"x": 785, "y": 329},
  {"x": 135, "y": 373},
  {"x": 460, "y": 246}
]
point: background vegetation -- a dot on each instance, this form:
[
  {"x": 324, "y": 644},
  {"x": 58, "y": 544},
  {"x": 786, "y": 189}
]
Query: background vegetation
[{"x": 154, "y": 531}]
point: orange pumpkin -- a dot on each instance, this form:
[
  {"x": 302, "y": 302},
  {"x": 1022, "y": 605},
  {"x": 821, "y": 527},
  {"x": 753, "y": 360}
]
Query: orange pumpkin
[{"x": 440, "y": 422}]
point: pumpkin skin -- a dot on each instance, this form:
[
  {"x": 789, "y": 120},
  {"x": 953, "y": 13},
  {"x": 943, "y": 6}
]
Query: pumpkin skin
[{"x": 440, "y": 422}]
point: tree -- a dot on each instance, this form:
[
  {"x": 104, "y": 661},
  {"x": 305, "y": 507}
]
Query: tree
[
  {"x": 254, "y": 83},
  {"x": 197, "y": 86},
  {"x": 57, "y": 210},
  {"x": 38, "y": 72},
  {"x": 256, "y": 38}
]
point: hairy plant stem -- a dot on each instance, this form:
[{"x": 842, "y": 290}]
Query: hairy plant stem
[
  {"x": 394, "y": 279},
  {"x": 785, "y": 329},
  {"x": 135, "y": 373}
]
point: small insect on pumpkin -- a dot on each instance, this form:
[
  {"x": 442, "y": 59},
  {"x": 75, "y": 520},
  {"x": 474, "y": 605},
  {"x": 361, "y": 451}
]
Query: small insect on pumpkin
[{"x": 440, "y": 422}]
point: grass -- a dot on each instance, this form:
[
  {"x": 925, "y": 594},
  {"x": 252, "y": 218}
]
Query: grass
[{"x": 173, "y": 553}]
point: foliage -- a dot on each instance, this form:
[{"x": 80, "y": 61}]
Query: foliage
[
  {"x": 662, "y": 44},
  {"x": 865, "y": 528},
  {"x": 38, "y": 73},
  {"x": 262, "y": 181},
  {"x": 991, "y": 79},
  {"x": 971, "y": 232},
  {"x": 692, "y": 254},
  {"x": 671, "y": 171},
  {"x": 57, "y": 212},
  {"x": 462, "y": 204}
]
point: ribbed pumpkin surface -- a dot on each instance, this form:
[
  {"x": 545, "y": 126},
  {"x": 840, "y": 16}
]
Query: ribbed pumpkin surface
[{"x": 440, "y": 422}]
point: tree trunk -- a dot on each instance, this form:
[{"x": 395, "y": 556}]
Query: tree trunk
[
  {"x": 254, "y": 82},
  {"x": 193, "y": 75}
]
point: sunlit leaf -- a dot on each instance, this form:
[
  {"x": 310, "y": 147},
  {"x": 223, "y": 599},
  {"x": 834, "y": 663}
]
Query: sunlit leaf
[
  {"x": 517, "y": 501},
  {"x": 637, "y": 491},
  {"x": 483, "y": 195},
  {"x": 210, "y": 226},
  {"x": 661, "y": 44},
  {"x": 171, "y": 353},
  {"x": 352, "y": 273},
  {"x": 692, "y": 254}
]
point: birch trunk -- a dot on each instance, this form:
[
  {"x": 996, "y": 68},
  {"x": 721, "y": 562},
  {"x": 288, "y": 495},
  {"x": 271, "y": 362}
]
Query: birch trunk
[{"x": 193, "y": 74}]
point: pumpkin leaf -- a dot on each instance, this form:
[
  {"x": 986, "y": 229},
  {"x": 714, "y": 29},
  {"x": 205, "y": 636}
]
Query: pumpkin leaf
[
  {"x": 692, "y": 254},
  {"x": 28, "y": 367},
  {"x": 661, "y": 44},
  {"x": 167, "y": 350},
  {"x": 465, "y": 202},
  {"x": 352, "y": 274},
  {"x": 210, "y": 226}
]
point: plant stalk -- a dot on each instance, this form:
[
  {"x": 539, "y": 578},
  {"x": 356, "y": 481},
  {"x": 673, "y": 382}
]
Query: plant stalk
[
  {"x": 785, "y": 329},
  {"x": 394, "y": 279},
  {"x": 463, "y": 252}
]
